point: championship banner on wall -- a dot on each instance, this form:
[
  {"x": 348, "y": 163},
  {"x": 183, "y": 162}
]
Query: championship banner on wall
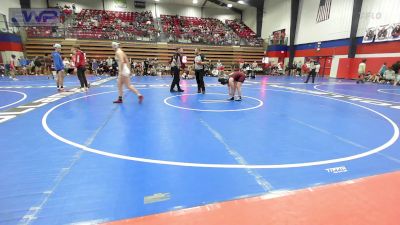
[
  {"x": 382, "y": 33},
  {"x": 278, "y": 36},
  {"x": 369, "y": 35},
  {"x": 394, "y": 32},
  {"x": 34, "y": 17},
  {"x": 388, "y": 32}
]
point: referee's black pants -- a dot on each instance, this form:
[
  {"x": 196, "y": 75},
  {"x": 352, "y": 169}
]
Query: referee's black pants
[
  {"x": 200, "y": 80},
  {"x": 311, "y": 74},
  {"x": 82, "y": 77},
  {"x": 175, "y": 72}
]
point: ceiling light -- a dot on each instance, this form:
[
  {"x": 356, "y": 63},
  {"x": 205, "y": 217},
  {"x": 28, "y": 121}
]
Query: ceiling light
[
  {"x": 229, "y": 5},
  {"x": 195, "y": 1},
  {"x": 157, "y": 0},
  {"x": 241, "y": 2}
]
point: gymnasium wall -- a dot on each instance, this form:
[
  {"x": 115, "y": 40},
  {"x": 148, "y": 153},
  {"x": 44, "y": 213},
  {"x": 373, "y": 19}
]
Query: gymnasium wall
[
  {"x": 337, "y": 27},
  {"x": 373, "y": 14},
  {"x": 5, "y": 5},
  {"x": 220, "y": 13},
  {"x": 334, "y": 40},
  {"x": 276, "y": 17},
  {"x": 38, "y": 4},
  {"x": 378, "y": 12},
  {"x": 250, "y": 18},
  {"x": 10, "y": 44},
  {"x": 348, "y": 68}
]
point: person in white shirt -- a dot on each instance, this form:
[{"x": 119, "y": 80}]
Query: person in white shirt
[
  {"x": 361, "y": 71},
  {"x": 67, "y": 65},
  {"x": 312, "y": 72},
  {"x": 254, "y": 65},
  {"x": 199, "y": 71},
  {"x": 317, "y": 68},
  {"x": 219, "y": 64},
  {"x": 109, "y": 62},
  {"x": 388, "y": 76}
]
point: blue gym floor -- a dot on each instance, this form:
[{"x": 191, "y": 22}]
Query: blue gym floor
[{"x": 84, "y": 159}]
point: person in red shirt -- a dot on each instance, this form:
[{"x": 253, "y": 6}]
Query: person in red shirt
[
  {"x": 305, "y": 69},
  {"x": 235, "y": 82},
  {"x": 80, "y": 62}
]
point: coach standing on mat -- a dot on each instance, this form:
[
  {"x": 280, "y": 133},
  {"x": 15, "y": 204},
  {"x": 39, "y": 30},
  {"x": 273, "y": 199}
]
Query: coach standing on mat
[
  {"x": 58, "y": 66},
  {"x": 176, "y": 63},
  {"x": 80, "y": 66},
  {"x": 199, "y": 71}
]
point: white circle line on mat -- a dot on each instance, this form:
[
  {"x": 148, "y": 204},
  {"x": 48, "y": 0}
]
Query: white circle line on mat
[
  {"x": 260, "y": 103},
  {"x": 385, "y": 91},
  {"x": 382, "y": 147},
  {"x": 24, "y": 96}
]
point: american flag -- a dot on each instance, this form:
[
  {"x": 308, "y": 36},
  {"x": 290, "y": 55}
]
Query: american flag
[{"x": 324, "y": 10}]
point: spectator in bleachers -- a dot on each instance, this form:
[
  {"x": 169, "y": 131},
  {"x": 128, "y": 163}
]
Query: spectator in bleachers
[
  {"x": 113, "y": 25},
  {"x": 73, "y": 8}
]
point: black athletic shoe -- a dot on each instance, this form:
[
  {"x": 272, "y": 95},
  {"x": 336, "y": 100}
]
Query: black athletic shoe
[
  {"x": 238, "y": 99},
  {"x": 181, "y": 90},
  {"x": 231, "y": 99}
]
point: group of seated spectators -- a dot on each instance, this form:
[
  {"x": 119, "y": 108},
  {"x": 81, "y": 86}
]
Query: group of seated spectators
[
  {"x": 244, "y": 32},
  {"x": 38, "y": 65},
  {"x": 91, "y": 23},
  {"x": 140, "y": 26},
  {"x": 385, "y": 75},
  {"x": 102, "y": 24},
  {"x": 198, "y": 30}
]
